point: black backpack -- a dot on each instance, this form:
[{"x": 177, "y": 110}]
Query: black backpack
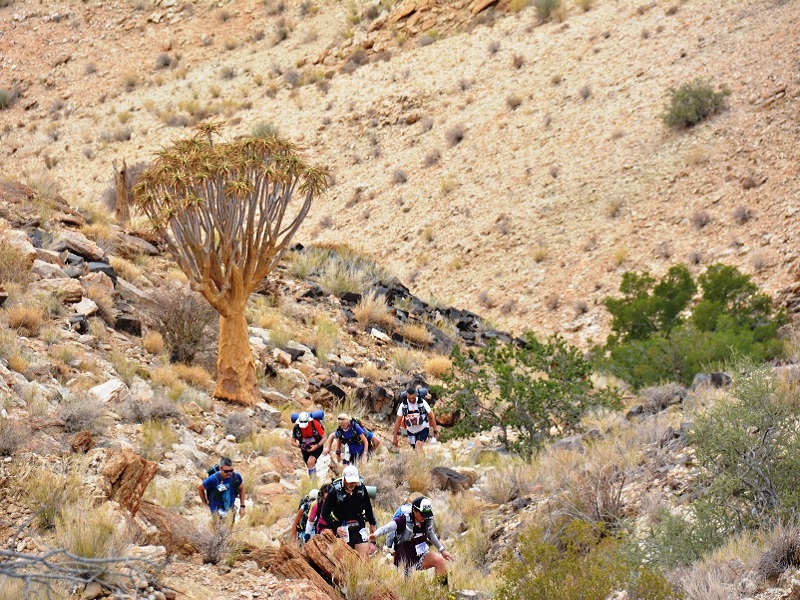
[
  {"x": 305, "y": 504},
  {"x": 421, "y": 393}
]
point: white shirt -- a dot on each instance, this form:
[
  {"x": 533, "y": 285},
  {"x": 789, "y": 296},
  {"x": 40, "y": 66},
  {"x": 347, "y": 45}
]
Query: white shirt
[{"x": 413, "y": 422}]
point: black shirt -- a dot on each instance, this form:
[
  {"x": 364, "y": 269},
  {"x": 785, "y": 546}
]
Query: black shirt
[{"x": 341, "y": 507}]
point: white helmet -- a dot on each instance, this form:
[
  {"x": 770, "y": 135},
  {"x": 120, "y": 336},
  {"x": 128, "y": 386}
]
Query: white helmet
[{"x": 303, "y": 419}]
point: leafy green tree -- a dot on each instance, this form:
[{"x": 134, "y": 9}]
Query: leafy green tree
[
  {"x": 653, "y": 340},
  {"x": 645, "y": 309},
  {"x": 727, "y": 292},
  {"x": 530, "y": 390},
  {"x": 227, "y": 212}
]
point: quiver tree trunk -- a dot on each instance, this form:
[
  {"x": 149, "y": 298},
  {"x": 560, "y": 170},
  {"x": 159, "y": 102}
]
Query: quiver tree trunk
[
  {"x": 236, "y": 369},
  {"x": 121, "y": 182}
]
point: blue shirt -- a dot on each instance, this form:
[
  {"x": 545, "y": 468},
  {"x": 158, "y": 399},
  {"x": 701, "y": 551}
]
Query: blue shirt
[{"x": 222, "y": 500}]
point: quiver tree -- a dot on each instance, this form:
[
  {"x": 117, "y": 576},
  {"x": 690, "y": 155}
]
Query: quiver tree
[{"x": 227, "y": 213}]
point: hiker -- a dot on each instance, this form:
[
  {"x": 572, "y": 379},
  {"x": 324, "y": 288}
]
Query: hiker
[
  {"x": 308, "y": 435},
  {"x": 416, "y": 415},
  {"x": 221, "y": 488},
  {"x": 413, "y": 531},
  {"x": 301, "y": 518},
  {"x": 348, "y": 509},
  {"x": 352, "y": 434},
  {"x": 316, "y": 524},
  {"x": 373, "y": 442}
]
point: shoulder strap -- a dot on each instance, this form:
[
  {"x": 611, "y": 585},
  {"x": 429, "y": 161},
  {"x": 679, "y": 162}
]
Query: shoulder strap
[{"x": 318, "y": 427}]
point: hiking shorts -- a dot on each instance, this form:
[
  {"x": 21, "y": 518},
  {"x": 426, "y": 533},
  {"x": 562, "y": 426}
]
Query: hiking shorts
[
  {"x": 356, "y": 453},
  {"x": 358, "y": 532},
  {"x": 316, "y": 454},
  {"x": 420, "y": 436}
]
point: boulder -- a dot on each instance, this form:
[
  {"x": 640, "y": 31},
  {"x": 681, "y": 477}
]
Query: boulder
[
  {"x": 165, "y": 528},
  {"x": 449, "y": 479},
  {"x": 130, "y": 246},
  {"x": 69, "y": 290},
  {"x": 81, "y": 441},
  {"x": 113, "y": 390},
  {"x": 78, "y": 243}
]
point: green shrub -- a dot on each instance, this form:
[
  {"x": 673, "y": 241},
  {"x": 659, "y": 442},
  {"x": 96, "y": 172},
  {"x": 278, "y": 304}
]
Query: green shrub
[
  {"x": 655, "y": 341},
  {"x": 545, "y": 8},
  {"x": 532, "y": 388},
  {"x": 749, "y": 454},
  {"x": 582, "y": 564},
  {"x": 692, "y": 102},
  {"x": 6, "y": 98}
]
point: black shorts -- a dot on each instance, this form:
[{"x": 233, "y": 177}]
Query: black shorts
[
  {"x": 420, "y": 436},
  {"x": 316, "y": 454},
  {"x": 355, "y": 531}
]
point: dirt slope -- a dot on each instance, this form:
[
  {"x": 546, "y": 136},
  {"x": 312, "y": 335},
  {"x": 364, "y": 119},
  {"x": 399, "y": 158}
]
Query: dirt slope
[{"x": 533, "y": 216}]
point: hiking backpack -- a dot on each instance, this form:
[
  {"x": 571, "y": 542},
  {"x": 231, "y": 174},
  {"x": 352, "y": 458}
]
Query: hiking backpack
[
  {"x": 305, "y": 504},
  {"x": 423, "y": 413}
]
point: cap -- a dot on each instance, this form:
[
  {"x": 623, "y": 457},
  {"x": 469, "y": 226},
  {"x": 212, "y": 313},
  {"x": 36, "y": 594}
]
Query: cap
[
  {"x": 350, "y": 474},
  {"x": 302, "y": 419},
  {"x": 313, "y": 494},
  {"x": 343, "y": 417},
  {"x": 423, "y": 505}
]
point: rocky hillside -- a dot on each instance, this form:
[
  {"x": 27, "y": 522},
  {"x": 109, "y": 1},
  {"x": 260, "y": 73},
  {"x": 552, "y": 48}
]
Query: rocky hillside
[
  {"x": 509, "y": 167},
  {"x": 506, "y": 170}
]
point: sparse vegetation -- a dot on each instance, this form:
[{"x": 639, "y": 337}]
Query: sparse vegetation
[
  {"x": 503, "y": 386},
  {"x": 692, "y": 102},
  {"x": 546, "y": 8}
]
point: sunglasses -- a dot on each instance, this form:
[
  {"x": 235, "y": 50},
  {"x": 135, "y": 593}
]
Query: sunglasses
[{"x": 227, "y": 470}]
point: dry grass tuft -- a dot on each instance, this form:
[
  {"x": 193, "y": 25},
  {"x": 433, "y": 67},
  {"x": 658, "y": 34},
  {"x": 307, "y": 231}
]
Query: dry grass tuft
[
  {"x": 373, "y": 309},
  {"x": 27, "y": 319},
  {"x": 153, "y": 342},
  {"x": 438, "y": 366},
  {"x": 416, "y": 334}
]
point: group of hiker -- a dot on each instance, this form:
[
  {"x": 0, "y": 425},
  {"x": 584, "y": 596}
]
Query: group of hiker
[{"x": 344, "y": 505}]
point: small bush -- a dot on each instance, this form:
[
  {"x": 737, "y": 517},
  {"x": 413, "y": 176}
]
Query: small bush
[
  {"x": 546, "y": 8},
  {"x": 91, "y": 533},
  {"x": 7, "y": 98},
  {"x": 153, "y": 342},
  {"x": 219, "y": 545},
  {"x": 185, "y": 320},
  {"x": 438, "y": 366},
  {"x": 700, "y": 219},
  {"x": 373, "y": 309},
  {"x": 455, "y": 135},
  {"x": 83, "y": 414},
  {"x": 27, "y": 319},
  {"x": 158, "y": 437},
  {"x": 692, "y": 102},
  {"x": 407, "y": 360},
  {"x": 742, "y": 215},
  {"x": 15, "y": 267},
  {"x": 238, "y": 425},
  {"x": 416, "y": 334},
  {"x": 432, "y": 158},
  {"x": 583, "y": 563},
  {"x": 13, "y": 436},
  {"x": 47, "y": 494}
]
